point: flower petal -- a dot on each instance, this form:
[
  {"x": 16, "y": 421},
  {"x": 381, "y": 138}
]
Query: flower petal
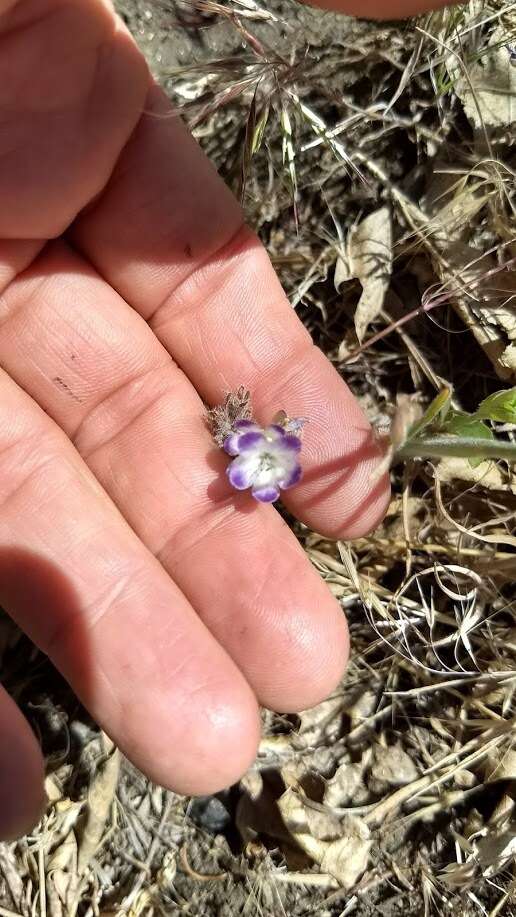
[
  {"x": 243, "y": 470},
  {"x": 231, "y": 444},
  {"x": 266, "y": 494},
  {"x": 279, "y": 440},
  {"x": 293, "y": 477},
  {"x": 291, "y": 442},
  {"x": 250, "y": 442},
  {"x": 243, "y": 426}
]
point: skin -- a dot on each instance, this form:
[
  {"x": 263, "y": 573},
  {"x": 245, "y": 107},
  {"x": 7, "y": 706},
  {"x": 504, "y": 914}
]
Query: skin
[{"x": 129, "y": 292}]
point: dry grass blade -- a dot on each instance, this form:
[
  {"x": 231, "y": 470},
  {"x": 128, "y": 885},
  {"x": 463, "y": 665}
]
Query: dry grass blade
[{"x": 99, "y": 804}]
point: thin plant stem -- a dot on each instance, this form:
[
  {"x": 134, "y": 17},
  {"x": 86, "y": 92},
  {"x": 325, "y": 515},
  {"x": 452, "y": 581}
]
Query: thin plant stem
[{"x": 455, "y": 446}]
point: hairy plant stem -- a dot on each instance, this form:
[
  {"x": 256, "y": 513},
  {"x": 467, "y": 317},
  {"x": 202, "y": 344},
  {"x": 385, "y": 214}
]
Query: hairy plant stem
[{"x": 455, "y": 446}]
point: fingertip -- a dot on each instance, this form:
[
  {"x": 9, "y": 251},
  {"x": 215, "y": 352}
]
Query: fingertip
[
  {"x": 292, "y": 642},
  {"x": 320, "y": 659},
  {"x": 370, "y": 512},
  {"x": 363, "y": 513},
  {"x": 344, "y": 493},
  {"x": 230, "y": 735},
  {"x": 202, "y": 744}
]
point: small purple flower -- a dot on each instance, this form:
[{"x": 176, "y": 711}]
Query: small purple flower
[{"x": 266, "y": 460}]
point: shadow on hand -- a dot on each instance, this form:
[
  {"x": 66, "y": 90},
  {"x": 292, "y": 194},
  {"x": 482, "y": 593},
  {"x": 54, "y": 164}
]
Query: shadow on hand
[{"x": 40, "y": 598}]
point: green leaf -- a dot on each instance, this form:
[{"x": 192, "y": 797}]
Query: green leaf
[
  {"x": 500, "y": 406},
  {"x": 463, "y": 425},
  {"x": 439, "y": 405}
]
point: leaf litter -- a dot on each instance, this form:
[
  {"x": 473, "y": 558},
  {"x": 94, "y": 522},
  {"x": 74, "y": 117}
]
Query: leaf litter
[{"x": 377, "y": 163}]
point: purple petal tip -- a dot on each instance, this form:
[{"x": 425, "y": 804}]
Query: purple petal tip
[
  {"x": 243, "y": 425},
  {"x": 291, "y": 442},
  {"x": 265, "y": 494},
  {"x": 237, "y": 477},
  {"x": 231, "y": 444},
  {"x": 293, "y": 478}
]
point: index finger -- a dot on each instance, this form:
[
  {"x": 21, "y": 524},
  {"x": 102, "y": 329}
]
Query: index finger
[{"x": 169, "y": 236}]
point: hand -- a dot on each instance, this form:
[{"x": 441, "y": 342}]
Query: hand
[{"x": 129, "y": 292}]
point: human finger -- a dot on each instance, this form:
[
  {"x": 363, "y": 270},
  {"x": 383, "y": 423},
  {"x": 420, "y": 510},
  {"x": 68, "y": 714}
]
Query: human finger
[
  {"x": 168, "y": 235},
  {"x": 72, "y": 87},
  {"x": 88, "y": 592}
]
